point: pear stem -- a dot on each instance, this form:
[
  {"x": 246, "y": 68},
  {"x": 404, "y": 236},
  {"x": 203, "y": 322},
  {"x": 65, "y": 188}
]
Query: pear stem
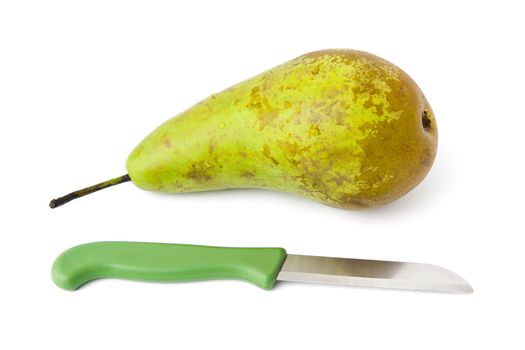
[{"x": 80, "y": 193}]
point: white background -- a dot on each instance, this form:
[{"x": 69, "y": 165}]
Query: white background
[{"x": 81, "y": 83}]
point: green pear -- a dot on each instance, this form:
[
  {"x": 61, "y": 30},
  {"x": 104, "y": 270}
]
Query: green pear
[{"x": 342, "y": 127}]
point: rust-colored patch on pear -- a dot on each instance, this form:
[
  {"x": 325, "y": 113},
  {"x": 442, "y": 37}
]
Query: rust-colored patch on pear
[
  {"x": 201, "y": 171},
  {"x": 248, "y": 174},
  {"x": 267, "y": 153},
  {"x": 260, "y": 104},
  {"x": 314, "y": 130}
]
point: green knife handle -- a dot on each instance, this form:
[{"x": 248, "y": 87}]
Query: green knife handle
[{"x": 165, "y": 263}]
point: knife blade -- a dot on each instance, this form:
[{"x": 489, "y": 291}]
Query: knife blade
[
  {"x": 164, "y": 262},
  {"x": 371, "y": 273}
]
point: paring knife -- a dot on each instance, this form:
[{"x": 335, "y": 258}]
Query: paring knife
[{"x": 262, "y": 266}]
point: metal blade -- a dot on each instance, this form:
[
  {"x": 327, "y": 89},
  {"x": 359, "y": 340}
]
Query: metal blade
[{"x": 371, "y": 273}]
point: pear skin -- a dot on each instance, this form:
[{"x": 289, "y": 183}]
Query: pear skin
[{"x": 342, "y": 127}]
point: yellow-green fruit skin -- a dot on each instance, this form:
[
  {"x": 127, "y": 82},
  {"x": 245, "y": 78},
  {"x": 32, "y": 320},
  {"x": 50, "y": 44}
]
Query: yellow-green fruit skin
[{"x": 342, "y": 127}]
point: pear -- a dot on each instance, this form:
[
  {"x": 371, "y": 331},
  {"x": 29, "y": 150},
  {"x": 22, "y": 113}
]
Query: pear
[{"x": 343, "y": 127}]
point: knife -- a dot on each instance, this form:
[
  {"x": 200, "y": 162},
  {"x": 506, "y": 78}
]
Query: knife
[{"x": 163, "y": 262}]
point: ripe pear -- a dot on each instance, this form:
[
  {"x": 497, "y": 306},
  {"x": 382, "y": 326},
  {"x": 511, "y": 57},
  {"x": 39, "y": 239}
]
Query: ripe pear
[{"x": 343, "y": 127}]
